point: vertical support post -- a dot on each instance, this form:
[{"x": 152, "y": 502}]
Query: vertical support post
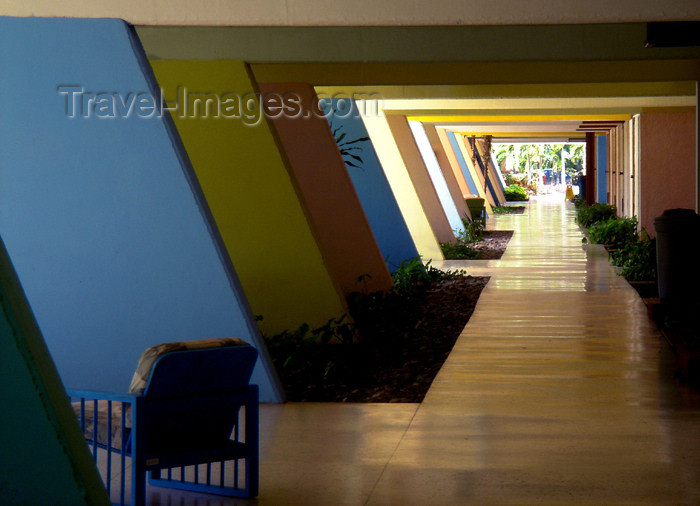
[
  {"x": 590, "y": 167},
  {"x": 601, "y": 156},
  {"x": 252, "y": 441},
  {"x": 138, "y": 464},
  {"x": 697, "y": 146}
]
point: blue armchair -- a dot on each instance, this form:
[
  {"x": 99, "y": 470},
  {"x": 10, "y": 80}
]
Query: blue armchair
[{"x": 189, "y": 421}]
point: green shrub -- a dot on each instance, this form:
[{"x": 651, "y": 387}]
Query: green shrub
[
  {"x": 634, "y": 253},
  {"x": 515, "y": 192},
  {"x": 507, "y": 209},
  {"x": 616, "y": 232},
  {"x": 301, "y": 352},
  {"x": 345, "y": 351},
  {"x": 588, "y": 215},
  {"x": 458, "y": 251},
  {"x": 511, "y": 179},
  {"x": 473, "y": 230},
  {"x": 637, "y": 259},
  {"x": 462, "y": 249},
  {"x": 410, "y": 275}
]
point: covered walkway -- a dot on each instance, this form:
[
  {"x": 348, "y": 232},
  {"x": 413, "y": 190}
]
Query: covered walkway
[{"x": 559, "y": 391}]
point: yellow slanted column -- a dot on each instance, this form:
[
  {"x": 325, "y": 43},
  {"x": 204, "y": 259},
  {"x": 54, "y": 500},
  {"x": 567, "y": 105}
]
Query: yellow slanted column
[
  {"x": 244, "y": 178},
  {"x": 405, "y": 192}
]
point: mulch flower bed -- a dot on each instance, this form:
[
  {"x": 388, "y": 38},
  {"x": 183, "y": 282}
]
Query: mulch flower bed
[
  {"x": 403, "y": 341},
  {"x": 493, "y": 244},
  {"x": 512, "y": 210}
]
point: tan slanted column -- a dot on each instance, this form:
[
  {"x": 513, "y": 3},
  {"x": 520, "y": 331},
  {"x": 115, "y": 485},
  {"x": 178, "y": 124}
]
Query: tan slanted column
[
  {"x": 421, "y": 179},
  {"x": 400, "y": 182},
  {"x": 454, "y": 163},
  {"x": 447, "y": 171},
  {"x": 326, "y": 190}
]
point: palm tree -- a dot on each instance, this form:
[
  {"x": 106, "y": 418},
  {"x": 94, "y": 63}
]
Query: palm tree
[
  {"x": 553, "y": 156},
  {"x": 528, "y": 153},
  {"x": 503, "y": 153},
  {"x": 577, "y": 153}
]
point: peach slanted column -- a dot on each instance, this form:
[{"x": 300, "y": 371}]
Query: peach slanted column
[
  {"x": 420, "y": 178},
  {"x": 447, "y": 170},
  {"x": 317, "y": 168},
  {"x": 453, "y": 162}
]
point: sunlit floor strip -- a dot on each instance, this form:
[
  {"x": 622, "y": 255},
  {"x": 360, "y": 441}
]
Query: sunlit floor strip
[{"x": 559, "y": 391}]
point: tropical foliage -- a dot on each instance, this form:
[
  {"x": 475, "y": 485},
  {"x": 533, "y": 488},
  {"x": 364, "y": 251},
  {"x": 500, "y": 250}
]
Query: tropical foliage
[
  {"x": 515, "y": 192},
  {"x": 634, "y": 253},
  {"x": 462, "y": 248},
  {"x": 533, "y": 160},
  {"x": 350, "y": 149},
  {"x": 345, "y": 349},
  {"x": 614, "y": 232},
  {"x": 587, "y": 215},
  {"x": 637, "y": 258}
]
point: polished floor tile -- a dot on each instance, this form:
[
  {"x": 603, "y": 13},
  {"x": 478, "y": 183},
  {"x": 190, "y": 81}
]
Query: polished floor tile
[{"x": 558, "y": 391}]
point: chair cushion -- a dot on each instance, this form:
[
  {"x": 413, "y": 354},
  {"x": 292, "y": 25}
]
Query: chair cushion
[{"x": 150, "y": 355}]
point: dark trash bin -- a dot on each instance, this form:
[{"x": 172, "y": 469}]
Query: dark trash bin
[
  {"x": 678, "y": 256},
  {"x": 581, "y": 187}
]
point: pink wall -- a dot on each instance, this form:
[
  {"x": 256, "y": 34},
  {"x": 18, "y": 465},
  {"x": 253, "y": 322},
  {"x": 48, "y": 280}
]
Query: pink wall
[
  {"x": 336, "y": 215},
  {"x": 667, "y": 164}
]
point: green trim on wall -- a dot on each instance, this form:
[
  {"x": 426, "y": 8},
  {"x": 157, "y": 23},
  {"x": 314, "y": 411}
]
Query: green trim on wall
[
  {"x": 647, "y": 89},
  {"x": 373, "y": 44},
  {"x": 468, "y": 73},
  {"x": 37, "y": 422}
]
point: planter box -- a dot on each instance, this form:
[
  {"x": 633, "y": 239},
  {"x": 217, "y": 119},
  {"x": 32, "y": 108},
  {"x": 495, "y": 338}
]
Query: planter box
[
  {"x": 688, "y": 358},
  {"x": 685, "y": 344},
  {"x": 645, "y": 289}
]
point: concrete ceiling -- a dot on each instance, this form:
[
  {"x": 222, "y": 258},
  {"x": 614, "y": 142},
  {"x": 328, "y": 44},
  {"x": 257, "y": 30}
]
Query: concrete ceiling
[
  {"x": 506, "y": 80},
  {"x": 359, "y": 12},
  {"x": 560, "y": 113}
]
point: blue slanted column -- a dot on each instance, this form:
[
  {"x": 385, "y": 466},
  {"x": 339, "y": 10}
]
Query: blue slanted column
[
  {"x": 101, "y": 214},
  {"x": 371, "y": 185},
  {"x": 602, "y": 150}
]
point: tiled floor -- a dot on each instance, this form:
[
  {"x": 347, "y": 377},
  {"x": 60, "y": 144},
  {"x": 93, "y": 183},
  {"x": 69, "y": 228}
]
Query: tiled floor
[{"x": 559, "y": 391}]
